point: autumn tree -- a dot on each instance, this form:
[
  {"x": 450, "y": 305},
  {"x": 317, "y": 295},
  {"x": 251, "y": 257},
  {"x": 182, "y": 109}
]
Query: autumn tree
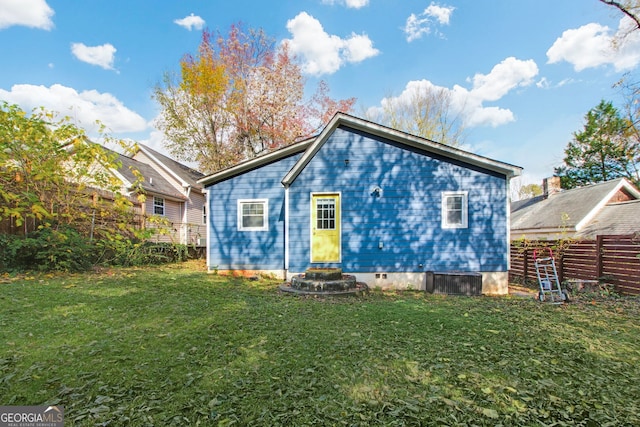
[
  {"x": 427, "y": 111},
  {"x": 239, "y": 96},
  {"x": 602, "y": 151},
  {"x": 50, "y": 174},
  {"x": 528, "y": 191},
  {"x": 629, "y": 84}
]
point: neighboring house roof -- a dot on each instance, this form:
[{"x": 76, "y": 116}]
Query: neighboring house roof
[
  {"x": 183, "y": 173},
  {"x": 618, "y": 218},
  {"x": 568, "y": 211},
  {"x": 153, "y": 182},
  {"x": 312, "y": 145}
]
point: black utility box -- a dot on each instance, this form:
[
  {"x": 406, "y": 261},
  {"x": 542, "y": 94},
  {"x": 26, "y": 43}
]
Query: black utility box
[{"x": 454, "y": 283}]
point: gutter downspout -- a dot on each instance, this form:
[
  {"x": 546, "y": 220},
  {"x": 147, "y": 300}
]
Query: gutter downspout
[
  {"x": 508, "y": 217},
  {"x": 208, "y": 226},
  {"x": 286, "y": 231},
  {"x": 185, "y": 217}
]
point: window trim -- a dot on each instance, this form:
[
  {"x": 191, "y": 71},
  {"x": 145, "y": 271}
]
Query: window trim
[
  {"x": 204, "y": 214},
  {"x": 156, "y": 205},
  {"x": 445, "y": 210},
  {"x": 265, "y": 214}
]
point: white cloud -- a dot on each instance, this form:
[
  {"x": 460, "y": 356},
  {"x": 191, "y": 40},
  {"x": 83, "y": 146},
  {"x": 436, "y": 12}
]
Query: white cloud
[
  {"x": 28, "y": 13},
  {"x": 469, "y": 103},
  {"x": 325, "y": 53},
  {"x": 424, "y": 23},
  {"x": 352, "y": 4},
  {"x": 591, "y": 46},
  {"x": 441, "y": 13},
  {"x": 191, "y": 22},
  {"x": 565, "y": 82},
  {"x": 102, "y": 56},
  {"x": 543, "y": 83},
  {"x": 84, "y": 107},
  {"x": 507, "y": 75},
  {"x": 358, "y": 48}
]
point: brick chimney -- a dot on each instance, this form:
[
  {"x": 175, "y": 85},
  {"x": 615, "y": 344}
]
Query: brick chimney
[{"x": 551, "y": 186}]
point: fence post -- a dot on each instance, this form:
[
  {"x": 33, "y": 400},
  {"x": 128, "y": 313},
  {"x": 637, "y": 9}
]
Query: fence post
[
  {"x": 560, "y": 267},
  {"x": 599, "y": 256},
  {"x": 525, "y": 265}
]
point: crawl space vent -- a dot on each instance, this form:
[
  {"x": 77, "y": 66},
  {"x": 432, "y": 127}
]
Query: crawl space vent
[{"x": 454, "y": 283}]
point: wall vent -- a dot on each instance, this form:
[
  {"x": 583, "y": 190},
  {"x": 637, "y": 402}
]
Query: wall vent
[{"x": 454, "y": 283}]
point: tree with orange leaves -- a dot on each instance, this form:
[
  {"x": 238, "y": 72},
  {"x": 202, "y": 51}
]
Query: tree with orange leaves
[{"x": 240, "y": 96}]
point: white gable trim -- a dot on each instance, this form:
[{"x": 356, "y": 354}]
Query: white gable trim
[
  {"x": 125, "y": 183},
  {"x": 623, "y": 184},
  {"x": 255, "y": 162},
  {"x": 163, "y": 166}
]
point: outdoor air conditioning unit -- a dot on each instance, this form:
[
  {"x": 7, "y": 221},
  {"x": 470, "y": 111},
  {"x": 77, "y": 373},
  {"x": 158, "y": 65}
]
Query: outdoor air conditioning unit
[
  {"x": 201, "y": 241},
  {"x": 454, "y": 283}
]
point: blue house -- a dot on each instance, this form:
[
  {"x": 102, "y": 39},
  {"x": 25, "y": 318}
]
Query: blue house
[{"x": 382, "y": 204}]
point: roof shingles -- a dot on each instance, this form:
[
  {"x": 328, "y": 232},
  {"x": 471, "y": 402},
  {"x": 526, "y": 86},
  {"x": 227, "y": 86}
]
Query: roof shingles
[{"x": 572, "y": 209}]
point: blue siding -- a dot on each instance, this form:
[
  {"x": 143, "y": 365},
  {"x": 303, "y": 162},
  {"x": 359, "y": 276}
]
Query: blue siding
[
  {"x": 230, "y": 249},
  {"x": 407, "y": 217}
]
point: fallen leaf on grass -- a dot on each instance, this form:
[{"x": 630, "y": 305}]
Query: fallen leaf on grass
[{"x": 491, "y": 413}]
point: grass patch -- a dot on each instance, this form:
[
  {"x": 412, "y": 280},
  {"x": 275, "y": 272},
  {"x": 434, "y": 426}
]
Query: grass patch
[{"x": 174, "y": 345}]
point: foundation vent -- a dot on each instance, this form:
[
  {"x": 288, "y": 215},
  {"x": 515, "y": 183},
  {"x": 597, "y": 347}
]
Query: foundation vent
[{"x": 454, "y": 283}]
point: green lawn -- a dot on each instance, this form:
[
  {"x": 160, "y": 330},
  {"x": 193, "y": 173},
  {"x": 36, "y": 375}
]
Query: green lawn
[{"x": 174, "y": 345}]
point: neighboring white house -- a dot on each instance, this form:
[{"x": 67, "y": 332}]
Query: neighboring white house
[
  {"x": 174, "y": 202},
  {"x": 174, "y": 194}
]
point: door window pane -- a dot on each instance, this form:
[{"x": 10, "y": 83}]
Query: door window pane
[{"x": 326, "y": 214}]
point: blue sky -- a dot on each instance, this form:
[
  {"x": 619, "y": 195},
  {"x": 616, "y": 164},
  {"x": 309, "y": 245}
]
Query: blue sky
[{"x": 523, "y": 73}]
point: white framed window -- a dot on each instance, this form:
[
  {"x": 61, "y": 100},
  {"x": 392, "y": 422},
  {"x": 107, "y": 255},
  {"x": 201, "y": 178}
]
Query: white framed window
[
  {"x": 455, "y": 209},
  {"x": 158, "y": 206},
  {"x": 253, "y": 215}
]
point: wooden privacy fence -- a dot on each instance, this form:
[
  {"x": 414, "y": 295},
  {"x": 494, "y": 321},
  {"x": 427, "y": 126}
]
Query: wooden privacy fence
[{"x": 609, "y": 259}]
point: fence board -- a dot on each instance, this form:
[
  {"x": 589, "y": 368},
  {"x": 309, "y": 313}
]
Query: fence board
[{"x": 612, "y": 259}]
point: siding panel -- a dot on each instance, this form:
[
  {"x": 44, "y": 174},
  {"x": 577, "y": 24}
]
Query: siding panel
[
  {"x": 406, "y": 219},
  {"x": 173, "y": 214},
  {"x": 231, "y": 249}
]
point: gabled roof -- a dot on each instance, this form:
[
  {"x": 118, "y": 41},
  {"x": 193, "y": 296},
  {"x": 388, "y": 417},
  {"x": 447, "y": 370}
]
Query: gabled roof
[
  {"x": 568, "y": 210},
  {"x": 256, "y": 162},
  {"x": 342, "y": 119},
  {"x": 616, "y": 218},
  {"x": 311, "y": 146},
  {"x": 182, "y": 173},
  {"x": 153, "y": 182}
]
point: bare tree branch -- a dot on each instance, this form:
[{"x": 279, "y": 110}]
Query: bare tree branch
[{"x": 624, "y": 9}]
